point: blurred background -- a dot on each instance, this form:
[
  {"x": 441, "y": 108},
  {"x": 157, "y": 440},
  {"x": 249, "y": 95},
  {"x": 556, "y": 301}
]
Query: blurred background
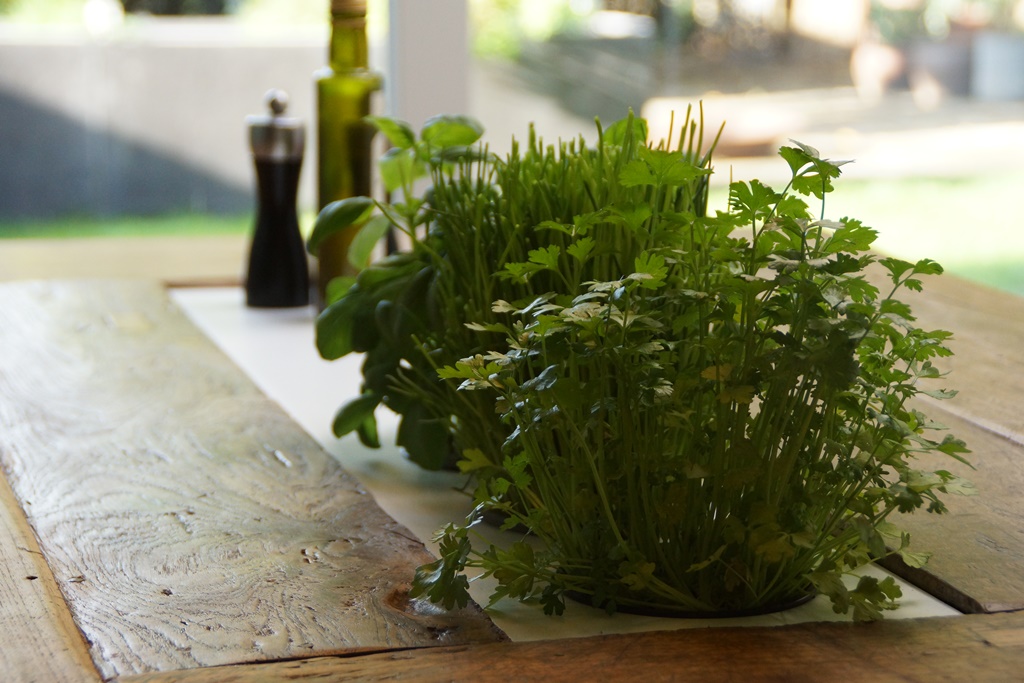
[{"x": 126, "y": 117}]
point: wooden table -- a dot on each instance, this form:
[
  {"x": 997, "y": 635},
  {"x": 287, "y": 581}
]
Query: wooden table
[{"x": 161, "y": 519}]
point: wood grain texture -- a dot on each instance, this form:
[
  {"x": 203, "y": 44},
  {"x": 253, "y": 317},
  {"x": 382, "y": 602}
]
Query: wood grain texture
[
  {"x": 188, "y": 521},
  {"x": 168, "y": 258},
  {"x": 988, "y": 367},
  {"x": 969, "y": 648},
  {"x": 38, "y": 638},
  {"x": 978, "y": 549},
  {"x": 977, "y": 562}
]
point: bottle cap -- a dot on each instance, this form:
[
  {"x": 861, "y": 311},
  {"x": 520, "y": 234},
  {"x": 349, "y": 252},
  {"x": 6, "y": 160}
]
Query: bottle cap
[{"x": 276, "y": 137}]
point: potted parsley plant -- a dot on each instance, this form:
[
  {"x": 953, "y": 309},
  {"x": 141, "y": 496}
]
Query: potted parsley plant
[{"x": 724, "y": 427}]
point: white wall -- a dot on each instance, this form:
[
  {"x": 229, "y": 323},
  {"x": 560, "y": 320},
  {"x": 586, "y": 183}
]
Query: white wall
[
  {"x": 428, "y": 59},
  {"x": 148, "y": 119}
]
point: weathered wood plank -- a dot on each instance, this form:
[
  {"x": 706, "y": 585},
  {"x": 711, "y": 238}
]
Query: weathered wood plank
[
  {"x": 191, "y": 259},
  {"x": 38, "y": 638},
  {"x": 988, "y": 367},
  {"x": 978, "y": 549},
  {"x": 969, "y": 648},
  {"x": 188, "y": 521},
  {"x": 978, "y": 561}
]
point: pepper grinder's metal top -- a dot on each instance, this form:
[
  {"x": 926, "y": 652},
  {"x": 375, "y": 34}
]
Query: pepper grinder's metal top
[{"x": 276, "y": 137}]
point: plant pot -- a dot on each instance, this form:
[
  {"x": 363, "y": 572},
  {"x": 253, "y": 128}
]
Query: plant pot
[
  {"x": 937, "y": 70},
  {"x": 877, "y": 68},
  {"x": 997, "y": 66}
]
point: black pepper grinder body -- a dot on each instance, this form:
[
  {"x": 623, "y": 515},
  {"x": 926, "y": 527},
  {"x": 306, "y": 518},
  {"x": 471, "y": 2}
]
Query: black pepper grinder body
[{"x": 278, "y": 275}]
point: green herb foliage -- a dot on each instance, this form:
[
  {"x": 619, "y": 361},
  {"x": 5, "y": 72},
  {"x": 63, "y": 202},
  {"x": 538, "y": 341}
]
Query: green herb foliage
[
  {"x": 725, "y": 424},
  {"x": 545, "y": 218}
]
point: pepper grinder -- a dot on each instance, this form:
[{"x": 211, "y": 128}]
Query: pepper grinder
[{"x": 278, "y": 275}]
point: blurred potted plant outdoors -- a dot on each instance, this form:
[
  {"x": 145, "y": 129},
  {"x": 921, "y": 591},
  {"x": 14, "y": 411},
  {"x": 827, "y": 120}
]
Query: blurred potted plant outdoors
[
  {"x": 997, "y": 57},
  {"x": 924, "y": 45},
  {"x": 941, "y": 48}
]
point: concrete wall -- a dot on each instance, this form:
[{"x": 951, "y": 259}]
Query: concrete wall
[{"x": 148, "y": 120}]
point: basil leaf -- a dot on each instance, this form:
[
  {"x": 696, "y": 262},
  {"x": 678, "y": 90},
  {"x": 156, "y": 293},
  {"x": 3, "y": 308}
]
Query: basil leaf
[
  {"x": 451, "y": 131},
  {"x": 337, "y": 216}
]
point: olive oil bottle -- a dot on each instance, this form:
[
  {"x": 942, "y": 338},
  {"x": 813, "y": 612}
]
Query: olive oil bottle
[{"x": 345, "y": 89}]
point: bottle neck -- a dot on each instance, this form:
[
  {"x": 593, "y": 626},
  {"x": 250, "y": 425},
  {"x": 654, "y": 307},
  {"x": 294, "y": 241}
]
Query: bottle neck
[{"x": 348, "y": 49}]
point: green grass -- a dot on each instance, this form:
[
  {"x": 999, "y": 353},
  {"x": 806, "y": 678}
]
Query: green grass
[
  {"x": 969, "y": 225},
  {"x": 1006, "y": 275},
  {"x": 129, "y": 226},
  {"x": 963, "y": 223}
]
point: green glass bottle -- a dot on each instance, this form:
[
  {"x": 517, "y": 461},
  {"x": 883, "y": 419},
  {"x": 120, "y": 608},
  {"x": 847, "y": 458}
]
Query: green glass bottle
[{"x": 345, "y": 89}]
